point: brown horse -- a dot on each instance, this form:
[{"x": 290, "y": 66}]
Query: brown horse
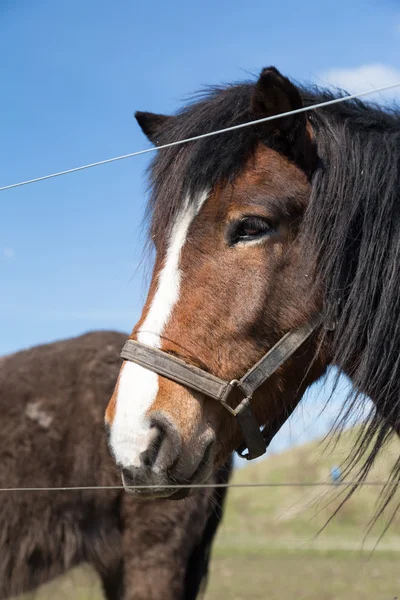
[
  {"x": 52, "y": 402},
  {"x": 283, "y": 236}
]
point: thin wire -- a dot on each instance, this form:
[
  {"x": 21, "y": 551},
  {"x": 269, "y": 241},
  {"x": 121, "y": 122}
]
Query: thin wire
[
  {"x": 206, "y": 485},
  {"x": 202, "y": 136}
]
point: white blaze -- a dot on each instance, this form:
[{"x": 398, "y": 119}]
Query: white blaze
[{"x": 138, "y": 387}]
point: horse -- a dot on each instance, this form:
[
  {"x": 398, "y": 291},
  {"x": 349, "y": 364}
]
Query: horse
[
  {"x": 276, "y": 253},
  {"x": 52, "y": 400}
]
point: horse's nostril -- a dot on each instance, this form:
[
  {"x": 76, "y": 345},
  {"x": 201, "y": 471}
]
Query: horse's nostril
[
  {"x": 170, "y": 443},
  {"x": 161, "y": 451},
  {"x": 148, "y": 457}
]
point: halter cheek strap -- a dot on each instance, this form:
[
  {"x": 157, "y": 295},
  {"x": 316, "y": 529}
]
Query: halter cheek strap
[{"x": 177, "y": 370}]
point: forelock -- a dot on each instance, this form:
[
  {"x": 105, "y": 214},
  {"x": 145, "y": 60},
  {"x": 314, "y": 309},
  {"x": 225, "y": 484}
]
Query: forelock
[{"x": 183, "y": 172}]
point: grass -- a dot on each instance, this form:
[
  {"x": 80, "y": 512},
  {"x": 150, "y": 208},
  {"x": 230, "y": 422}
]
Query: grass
[
  {"x": 292, "y": 517},
  {"x": 304, "y": 575},
  {"x": 269, "y": 545}
]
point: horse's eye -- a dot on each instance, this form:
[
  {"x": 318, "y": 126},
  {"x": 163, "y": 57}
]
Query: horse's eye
[{"x": 248, "y": 229}]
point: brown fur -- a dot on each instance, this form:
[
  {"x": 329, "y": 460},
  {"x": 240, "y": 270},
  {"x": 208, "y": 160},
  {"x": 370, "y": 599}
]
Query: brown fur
[
  {"x": 52, "y": 404},
  {"x": 301, "y": 217},
  {"x": 260, "y": 297}
]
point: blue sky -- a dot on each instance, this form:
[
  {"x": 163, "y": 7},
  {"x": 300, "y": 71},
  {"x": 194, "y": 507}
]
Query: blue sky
[{"x": 72, "y": 74}]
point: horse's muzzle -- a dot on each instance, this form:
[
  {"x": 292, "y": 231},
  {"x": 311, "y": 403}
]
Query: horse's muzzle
[{"x": 164, "y": 468}]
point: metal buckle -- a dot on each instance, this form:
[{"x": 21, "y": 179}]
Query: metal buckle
[
  {"x": 253, "y": 438},
  {"x": 235, "y": 383}
]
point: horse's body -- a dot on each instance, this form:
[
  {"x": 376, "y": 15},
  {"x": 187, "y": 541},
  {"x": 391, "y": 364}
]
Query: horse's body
[
  {"x": 52, "y": 401},
  {"x": 257, "y": 231}
]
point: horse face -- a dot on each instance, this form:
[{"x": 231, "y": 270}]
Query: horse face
[{"x": 228, "y": 282}]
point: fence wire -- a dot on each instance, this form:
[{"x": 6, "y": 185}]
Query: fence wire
[
  {"x": 207, "y": 485},
  {"x": 204, "y": 135}
]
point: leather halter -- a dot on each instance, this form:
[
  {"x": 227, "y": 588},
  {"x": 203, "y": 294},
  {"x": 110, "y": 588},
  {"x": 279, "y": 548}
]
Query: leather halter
[{"x": 177, "y": 370}]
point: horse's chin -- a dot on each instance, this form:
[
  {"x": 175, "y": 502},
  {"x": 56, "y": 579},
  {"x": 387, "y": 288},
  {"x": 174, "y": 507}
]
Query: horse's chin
[
  {"x": 170, "y": 486},
  {"x": 145, "y": 495}
]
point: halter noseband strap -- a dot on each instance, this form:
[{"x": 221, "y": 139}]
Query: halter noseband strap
[{"x": 177, "y": 370}]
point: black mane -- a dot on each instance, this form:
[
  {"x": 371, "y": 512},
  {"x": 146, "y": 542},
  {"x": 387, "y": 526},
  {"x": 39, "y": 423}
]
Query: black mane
[
  {"x": 352, "y": 225},
  {"x": 352, "y": 228},
  {"x": 196, "y": 166}
]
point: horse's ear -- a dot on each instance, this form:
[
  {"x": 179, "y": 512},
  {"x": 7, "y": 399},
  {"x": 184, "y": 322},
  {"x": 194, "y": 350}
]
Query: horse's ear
[
  {"x": 274, "y": 94},
  {"x": 151, "y": 124}
]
